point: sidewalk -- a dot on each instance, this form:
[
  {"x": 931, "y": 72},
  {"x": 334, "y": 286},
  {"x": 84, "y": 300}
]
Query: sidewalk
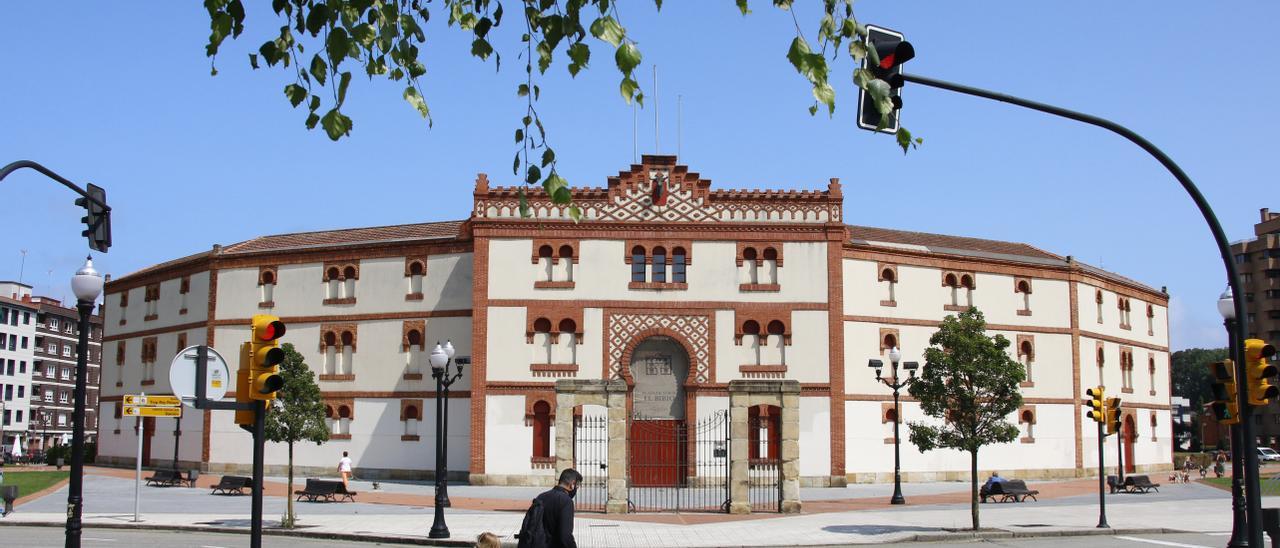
[{"x": 1193, "y": 507}]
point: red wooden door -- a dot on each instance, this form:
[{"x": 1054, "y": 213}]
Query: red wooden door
[
  {"x": 148, "y": 430},
  {"x": 1127, "y": 437},
  {"x": 656, "y": 450}
]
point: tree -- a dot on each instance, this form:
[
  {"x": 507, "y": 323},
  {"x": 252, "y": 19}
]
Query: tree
[
  {"x": 297, "y": 414},
  {"x": 382, "y": 38},
  {"x": 970, "y": 383},
  {"x": 1190, "y": 375}
]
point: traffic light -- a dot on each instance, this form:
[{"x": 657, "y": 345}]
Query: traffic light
[
  {"x": 244, "y": 417},
  {"x": 1224, "y": 405},
  {"x": 1096, "y": 404},
  {"x": 265, "y": 356},
  {"x": 1258, "y": 371},
  {"x": 891, "y": 52},
  {"x": 97, "y": 219},
  {"x": 1113, "y": 415}
]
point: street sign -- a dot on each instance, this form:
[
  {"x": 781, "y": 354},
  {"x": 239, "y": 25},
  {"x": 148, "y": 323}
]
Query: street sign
[
  {"x": 153, "y": 401},
  {"x": 182, "y": 376},
  {"x": 136, "y": 411}
]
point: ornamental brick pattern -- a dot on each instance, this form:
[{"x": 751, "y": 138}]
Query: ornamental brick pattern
[{"x": 627, "y": 330}]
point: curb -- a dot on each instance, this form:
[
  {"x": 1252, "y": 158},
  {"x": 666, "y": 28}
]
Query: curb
[{"x": 422, "y": 541}]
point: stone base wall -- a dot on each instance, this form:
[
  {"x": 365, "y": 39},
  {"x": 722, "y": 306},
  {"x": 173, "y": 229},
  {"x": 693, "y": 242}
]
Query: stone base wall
[
  {"x": 1022, "y": 474},
  {"x": 280, "y": 470},
  {"x": 521, "y": 480}
]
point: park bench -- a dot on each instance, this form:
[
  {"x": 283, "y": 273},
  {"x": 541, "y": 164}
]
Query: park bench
[
  {"x": 190, "y": 479},
  {"x": 1114, "y": 485},
  {"x": 1140, "y": 484},
  {"x": 1017, "y": 489},
  {"x": 327, "y": 490},
  {"x": 232, "y": 484},
  {"x": 165, "y": 478}
]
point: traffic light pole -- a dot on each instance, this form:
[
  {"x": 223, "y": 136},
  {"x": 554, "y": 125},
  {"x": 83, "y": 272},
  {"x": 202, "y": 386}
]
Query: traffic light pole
[
  {"x": 1249, "y": 445},
  {"x": 1102, "y": 479},
  {"x": 259, "y": 438},
  {"x": 1239, "y": 525}
]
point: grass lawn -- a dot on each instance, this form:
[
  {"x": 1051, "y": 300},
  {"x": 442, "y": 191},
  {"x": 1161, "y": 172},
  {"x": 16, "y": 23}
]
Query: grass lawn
[
  {"x": 1269, "y": 487},
  {"x": 31, "y": 482}
]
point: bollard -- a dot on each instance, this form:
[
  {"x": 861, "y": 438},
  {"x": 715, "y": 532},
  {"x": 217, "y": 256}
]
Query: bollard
[{"x": 9, "y": 493}]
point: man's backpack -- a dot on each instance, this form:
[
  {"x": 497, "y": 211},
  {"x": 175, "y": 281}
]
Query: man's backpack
[{"x": 533, "y": 534}]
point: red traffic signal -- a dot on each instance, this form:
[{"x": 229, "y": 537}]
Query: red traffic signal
[
  {"x": 892, "y": 51},
  {"x": 268, "y": 331}
]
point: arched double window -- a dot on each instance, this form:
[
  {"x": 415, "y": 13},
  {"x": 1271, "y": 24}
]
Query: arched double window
[
  {"x": 268, "y": 285},
  {"x": 889, "y": 276},
  {"x": 1024, "y": 287},
  {"x": 416, "y": 273}
]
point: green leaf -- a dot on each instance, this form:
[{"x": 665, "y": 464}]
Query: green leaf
[
  {"x": 607, "y": 29},
  {"x": 579, "y": 54},
  {"x": 481, "y": 48},
  {"x": 742, "y": 7},
  {"x": 524, "y": 204},
  {"x": 414, "y": 98},
  {"x": 548, "y": 156},
  {"x": 270, "y": 52},
  {"x": 544, "y": 56},
  {"x": 557, "y": 188},
  {"x": 253, "y": 60},
  {"x": 315, "y": 103},
  {"x": 317, "y": 19},
  {"x": 857, "y": 49},
  {"x": 628, "y": 88},
  {"x": 338, "y": 45},
  {"x": 532, "y": 175},
  {"x": 905, "y": 141},
  {"x": 343, "y": 80},
  {"x": 364, "y": 34},
  {"x": 627, "y": 57},
  {"x": 519, "y": 135},
  {"x": 319, "y": 69},
  {"x": 336, "y": 124},
  {"x": 826, "y": 95},
  {"x": 575, "y": 213},
  {"x": 296, "y": 94},
  {"x": 522, "y": 90}
]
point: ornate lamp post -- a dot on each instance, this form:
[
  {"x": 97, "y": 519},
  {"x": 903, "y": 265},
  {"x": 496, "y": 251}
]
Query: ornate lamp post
[
  {"x": 440, "y": 358},
  {"x": 894, "y": 357},
  {"x": 87, "y": 285},
  {"x": 1239, "y": 531}
]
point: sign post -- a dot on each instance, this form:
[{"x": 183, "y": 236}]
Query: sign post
[{"x": 137, "y": 473}]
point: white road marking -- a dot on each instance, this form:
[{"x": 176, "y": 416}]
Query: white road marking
[
  {"x": 1163, "y": 542},
  {"x": 1218, "y": 534},
  {"x": 100, "y": 539},
  {"x": 210, "y": 546}
]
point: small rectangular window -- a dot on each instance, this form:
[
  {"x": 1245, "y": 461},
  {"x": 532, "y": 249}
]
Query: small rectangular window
[
  {"x": 26, "y": 318},
  {"x": 24, "y": 343},
  {"x": 637, "y": 267},
  {"x": 677, "y": 268},
  {"x": 660, "y": 266},
  {"x": 53, "y": 324}
]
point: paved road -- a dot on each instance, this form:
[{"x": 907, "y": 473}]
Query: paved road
[
  {"x": 41, "y": 537},
  {"x": 1181, "y": 540}
]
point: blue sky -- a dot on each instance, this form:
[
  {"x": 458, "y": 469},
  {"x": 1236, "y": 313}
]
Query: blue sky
[{"x": 120, "y": 94}]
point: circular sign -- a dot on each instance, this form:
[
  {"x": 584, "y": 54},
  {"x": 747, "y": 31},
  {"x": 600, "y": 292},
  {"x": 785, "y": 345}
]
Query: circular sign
[{"x": 182, "y": 375}]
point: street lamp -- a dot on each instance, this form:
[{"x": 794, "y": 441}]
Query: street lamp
[
  {"x": 440, "y": 358},
  {"x": 87, "y": 286},
  {"x": 894, "y": 357},
  {"x": 1239, "y": 531}
]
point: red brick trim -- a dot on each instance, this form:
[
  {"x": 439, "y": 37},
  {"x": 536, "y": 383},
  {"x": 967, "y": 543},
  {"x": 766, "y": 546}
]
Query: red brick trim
[
  {"x": 891, "y": 269},
  {"x": 557, "y": 248},
  {"x": 650, "y": 244},
  {"x": 413, "y": 325},
  {"x": 1024, "y": 312},
  {"x": 658, "y": 285},
  {"x": 412, "y": 376},
  {"x": 554, "y": 369},
  {"x": 889, "y": 303},
  {"x": 148, "y": 382},
  {"x": 152, "y": 292},
  {"x": 413, "y": 297},
  {"x": 1077, "y": 419},
  {"x": 545, "y": 284},
  {"x": 410, "y": 315},
  {"x": 763, "y": 316},
  {"x": 410, "y": 261},
  {"x": 954, "y": 307},
  {"x": 335, "y": 377},
  {"x": 343, "y": 300},
  {"x": 532, "y": 398},
  {"x": 884, "y": 342},
  {"x": 342, "y": 267},
  {"x": 333, "y": 406},
  {"x": 339, "y": 436},
  {"x": 1022, "y": 419},
  {"x": 835, "y": 340},
  {"x": 267, "y": 304},
  {"x": 479, "y": 352},
  {"x": 763, "y": 371},
  {"x": 268, "y": 269},
  {"x": 406, "y": 404},
  {"x": 408, "y": 437},
  {"x": 161, "y": 331},
  {"x": 886, "y": 413},
  {"x": 638, "y": 338},
  {"x": 759, "y": 287},
  {"x": 760, "y": 247},
  {"x": 645, "y": 306},
  {"x": 184, "y": 285},
  {"x": 1031, "y": 356},
  {"x": 336, "y": 331},
  {"x": 150, "y": 317},
  {"x": 555, "y": 313}
]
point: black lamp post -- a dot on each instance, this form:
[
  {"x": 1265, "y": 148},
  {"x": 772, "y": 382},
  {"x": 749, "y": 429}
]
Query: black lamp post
[
  {"x": 440, "y": 358},
  {"x": 894, "y": 357},
  {"x": 87, "y": 285},
  {"x": 1239, "y": 529}
]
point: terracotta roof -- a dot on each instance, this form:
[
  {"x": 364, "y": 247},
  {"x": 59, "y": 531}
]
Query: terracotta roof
[
  {"x": 348, "y": 236},
  {"x": 17, "y": 302},
  {"x": 161, "y": 266},
  {"x": 955, "y": 245}
]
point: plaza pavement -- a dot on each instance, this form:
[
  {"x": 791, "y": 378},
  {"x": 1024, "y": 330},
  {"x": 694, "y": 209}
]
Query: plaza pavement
[{"x": 401, "y": 512}]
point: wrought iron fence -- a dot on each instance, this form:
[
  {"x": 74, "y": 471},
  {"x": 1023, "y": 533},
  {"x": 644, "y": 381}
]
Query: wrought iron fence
[
  {"x": 591, "y": 456},
  {"x": 677, "y": 466}
]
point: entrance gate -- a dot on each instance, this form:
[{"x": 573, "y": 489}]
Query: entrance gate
[
  {"x": 591, "y": 453},
  {"x": 679, "y": 467}
]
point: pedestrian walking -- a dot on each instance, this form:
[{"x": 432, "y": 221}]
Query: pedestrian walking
[
  {"x": 344, "y": 468},
  {"x": 488, "y": 540},
  {"x": 549, "y": 521}
]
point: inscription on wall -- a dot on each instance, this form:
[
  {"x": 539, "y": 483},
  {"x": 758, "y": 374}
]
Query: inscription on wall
[{"x": 659, "y": 366}]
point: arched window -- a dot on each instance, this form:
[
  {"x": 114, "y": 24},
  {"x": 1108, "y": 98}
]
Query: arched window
[
  {"x": 330, "y": 365},
  {"x": 346, "y": 365},
  {"x": 1151, "y": 320},
  {"x": 545, "y": 266},
  {"x": 1024, "y": 287},
  {"x": 566, "y": 263},
  {"x": 952, "y": 282},
  {"x": 542, "y": 344},
  {"x": 268, "y": 287},
  {"x": 416, "y": 273},
  {"x": 1028, "y": 418},
  {"x": 890, "y": 342},
  {"x": 769, "y": 271},
  {"x": 332, "y": 285},
  {"x": 1027, "y": 352},
  {"x": 414, "y": 354},
  {"x": 890, "y": 277},
  {"x": 678, "y": 264},
  {"x": 1098, "y": 299},
  {"x": 750, "y": 270},
  {"x": 637, "y": 264},
  {"x": 1151, "y": 372},
  {"x": 968, "y": 283},
  {"x": 751, "y": 339},
  {"x": 568, "y": 345},
  {"x": 344, "y": 419},
  {"x": 541, "y": 429},
  {"x": 659, "y": 265},
  {"x": 330, "y": 419},
  {"x": 411, "y": 419},
  {"x": 349, "y": 283},
  {"x": 777, "y": 342}
]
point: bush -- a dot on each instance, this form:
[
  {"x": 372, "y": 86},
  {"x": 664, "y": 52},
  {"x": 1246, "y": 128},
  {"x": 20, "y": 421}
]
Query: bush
[{"x": 58, "y": 452}]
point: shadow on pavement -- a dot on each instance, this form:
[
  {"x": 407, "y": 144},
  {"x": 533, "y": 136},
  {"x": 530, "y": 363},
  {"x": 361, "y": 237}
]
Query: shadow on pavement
[{"x": 878, "y": 529}]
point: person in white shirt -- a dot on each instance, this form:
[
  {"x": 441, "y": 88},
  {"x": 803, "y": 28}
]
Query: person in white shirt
[{"x": 344, "y": 468}]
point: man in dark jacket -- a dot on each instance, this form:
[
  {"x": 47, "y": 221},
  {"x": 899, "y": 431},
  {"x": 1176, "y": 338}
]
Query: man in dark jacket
[{"x": 557, "y": 510}]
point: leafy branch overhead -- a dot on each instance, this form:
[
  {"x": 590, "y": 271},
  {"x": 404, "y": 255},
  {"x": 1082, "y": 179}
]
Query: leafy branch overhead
[{"x": 320, "y": 43}]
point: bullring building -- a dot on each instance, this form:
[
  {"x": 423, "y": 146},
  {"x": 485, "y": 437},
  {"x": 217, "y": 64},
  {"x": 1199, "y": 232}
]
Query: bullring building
[{"x": 672, "y": 305}]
